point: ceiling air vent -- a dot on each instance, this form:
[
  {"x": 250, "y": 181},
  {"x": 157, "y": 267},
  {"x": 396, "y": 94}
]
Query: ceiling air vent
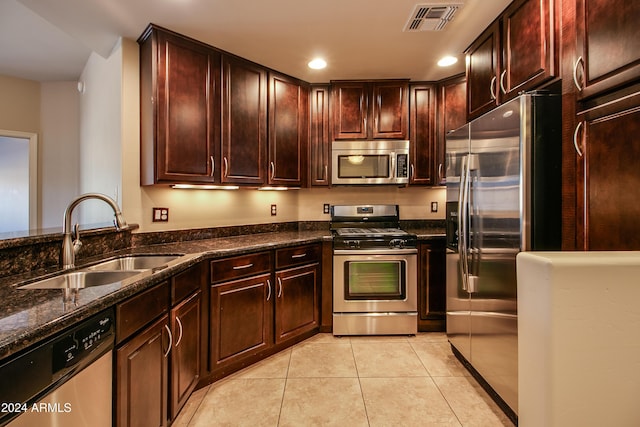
[{"x": 431, "y": 17}]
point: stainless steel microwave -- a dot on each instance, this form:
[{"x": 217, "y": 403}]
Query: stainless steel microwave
[{"x": 370, "y": 162}]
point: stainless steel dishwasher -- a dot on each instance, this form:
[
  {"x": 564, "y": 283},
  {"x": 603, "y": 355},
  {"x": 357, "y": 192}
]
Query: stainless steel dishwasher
[{"x": 65, "y": 381}]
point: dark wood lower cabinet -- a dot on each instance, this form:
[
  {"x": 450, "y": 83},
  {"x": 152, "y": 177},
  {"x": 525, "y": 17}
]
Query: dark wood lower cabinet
[
  {"x": 241, "y": 319},
  {"x": 142, "y": 369},
  {"x": 297, "y": 308},
  {"x": 185, "y": 354},
  {"x": 431, "y": 287}
]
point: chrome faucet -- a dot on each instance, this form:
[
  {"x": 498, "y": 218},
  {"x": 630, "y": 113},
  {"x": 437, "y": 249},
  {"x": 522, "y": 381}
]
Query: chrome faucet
[{"x": 70, "y": 248}]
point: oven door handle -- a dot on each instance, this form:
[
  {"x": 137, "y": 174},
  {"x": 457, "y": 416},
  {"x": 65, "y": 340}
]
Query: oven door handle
[{"x": 375, "y": 251}]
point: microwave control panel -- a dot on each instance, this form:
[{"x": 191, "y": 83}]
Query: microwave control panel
[{"x": 402, "y": 169}]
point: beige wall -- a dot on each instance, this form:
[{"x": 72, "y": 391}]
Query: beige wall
[
  {"x": 19, "y": 104},
  {"x": 50, "y": 110},
  {"x": 59, "y": 150}
]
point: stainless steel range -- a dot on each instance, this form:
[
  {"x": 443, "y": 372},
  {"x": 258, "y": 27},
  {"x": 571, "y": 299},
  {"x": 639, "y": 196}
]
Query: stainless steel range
[{"x": 374, "y": 272}]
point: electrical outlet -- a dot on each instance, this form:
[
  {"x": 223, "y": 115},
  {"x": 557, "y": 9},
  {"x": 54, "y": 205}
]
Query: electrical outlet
[
  {"x": 325, "y": 208},
  {"x": 434, "y": 206},
  {"x": 160, "y": 215},
  {"x": 274, "y": 210}
]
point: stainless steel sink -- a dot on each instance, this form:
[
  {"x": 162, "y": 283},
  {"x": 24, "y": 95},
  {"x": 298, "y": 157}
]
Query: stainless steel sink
[
  {"x": 81, "y": 279},
  {"x": 133, "y": 262}
]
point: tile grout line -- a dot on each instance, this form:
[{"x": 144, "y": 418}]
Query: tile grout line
[
  {"x": 284, "y": 389},
  {"x": 355, "y": 363},
  {"x": 436, "y": 384}
]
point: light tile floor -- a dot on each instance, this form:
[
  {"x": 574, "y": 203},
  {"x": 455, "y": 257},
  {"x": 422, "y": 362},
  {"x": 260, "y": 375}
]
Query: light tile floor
[{"x": 349, "y": 381}]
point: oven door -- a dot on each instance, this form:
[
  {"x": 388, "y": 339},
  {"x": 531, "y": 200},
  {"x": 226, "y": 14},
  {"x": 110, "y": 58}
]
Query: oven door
[{"x": 367, "y": 281}]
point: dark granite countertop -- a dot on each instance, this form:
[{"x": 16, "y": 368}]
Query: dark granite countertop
[{"x": 29, "y": 316}]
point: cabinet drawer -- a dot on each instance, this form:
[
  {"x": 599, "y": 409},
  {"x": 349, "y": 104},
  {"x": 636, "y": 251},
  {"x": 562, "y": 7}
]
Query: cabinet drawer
[
  {"x": 185, "y": 283},
  {"x": 141, "y": 309},
  {"x": 240, "y": 266},
  {"x": 289, "y": 257}
]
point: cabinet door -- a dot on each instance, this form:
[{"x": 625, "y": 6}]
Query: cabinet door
[
  {"x": 608, "y": 44},
  {"x": 142, "y": 378},
  {"x": 528, "y": 46},
  {"x": 297, "y": 308},
  {"x": 186, "y": 130},
  {"x": 288, "y": 130},
  {"x": 244, "y": 122},
  {"x": 452, "y": 113},
  {"x": 608, "y": 187},
  {"x": 185, "y": 355},
  {"x": 432, "y": 287},
  {"x": 423, "y": 133},
  {"x": 319, "y": 139},
  {"x": 482, "y": 72},
  {"x": 350, "y": 104},
  {"x": 241, "y": 319},
  {"x": 390, "y": 107}
]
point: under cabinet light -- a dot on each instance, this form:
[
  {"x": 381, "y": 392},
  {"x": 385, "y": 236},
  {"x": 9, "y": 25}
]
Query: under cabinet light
[{"x": 204, "y": 187}]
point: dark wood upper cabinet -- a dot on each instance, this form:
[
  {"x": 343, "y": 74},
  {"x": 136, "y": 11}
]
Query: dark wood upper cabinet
[
  {"x": 608, "y": 181},
  {"x": 483, "y": 68},
  {"x": 370, "y": 109},
  {"x": 319, "y": 138},
  {"x": 288, "y": 130},
  {"x": 244, "y": 122},
  {"x": 517, "y": 52},
  {"x": 452, "y": 113},
  {"x": 529, "y": 50},
  {"x": 179, "y": 102},
  {"x": 608, "y": 45},
  {"x": 423, "y": 134},
  {"x": 390, "y": 108},
  {"x": 350, "y": 109}
]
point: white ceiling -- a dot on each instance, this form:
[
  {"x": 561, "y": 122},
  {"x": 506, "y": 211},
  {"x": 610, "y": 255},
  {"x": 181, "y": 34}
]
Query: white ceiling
[{"x": 48, "y": 40}]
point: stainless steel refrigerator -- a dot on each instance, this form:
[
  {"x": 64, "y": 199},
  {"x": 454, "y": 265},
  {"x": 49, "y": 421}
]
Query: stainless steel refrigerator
[{"x": 503, "y": 196}]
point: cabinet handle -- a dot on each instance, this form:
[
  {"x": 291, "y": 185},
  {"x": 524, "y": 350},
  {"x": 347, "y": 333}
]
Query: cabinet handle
[
  {"x": 440, "y": 172},
  {"x": 299, "y": 255},
  {"x": 575, "y": 72},
  {"x": 502, "y": 82},
  {"x": 492, "y": 87},
  {"x": 412, "y": 171},
  {"x": 170, "y": 340},
  {"x": 575, "y": 139},
  {"x": 268, "y": 289},
  {"x": 326, "y": 172},
  {"x": 180, "y": 336},
  {"x": 242, "y": 267},
  {"x": 213, "y": 166},
  {"x": 225, "y": 166},
  {"x": 272, "y": 168},
  {"x": 279, "y": 287}
]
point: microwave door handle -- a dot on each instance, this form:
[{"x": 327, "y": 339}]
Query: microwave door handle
[{"x": 393, "y": 165}]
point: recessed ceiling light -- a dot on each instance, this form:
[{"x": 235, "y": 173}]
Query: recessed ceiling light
[
  {"x": 317, "y": 64},
  {"x": 447, "y": 60}
]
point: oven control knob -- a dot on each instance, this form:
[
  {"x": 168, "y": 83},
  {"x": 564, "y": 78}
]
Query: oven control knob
[
  {"x": 397, "y": 243},
  {"x": 352, "y": 244}
]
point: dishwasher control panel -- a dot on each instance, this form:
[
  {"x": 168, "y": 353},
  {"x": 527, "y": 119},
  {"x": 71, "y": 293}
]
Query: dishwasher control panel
[{"x": 69, "y": 349}]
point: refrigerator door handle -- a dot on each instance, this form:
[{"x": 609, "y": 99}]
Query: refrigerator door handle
[{"x": 462, "y": 222}]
